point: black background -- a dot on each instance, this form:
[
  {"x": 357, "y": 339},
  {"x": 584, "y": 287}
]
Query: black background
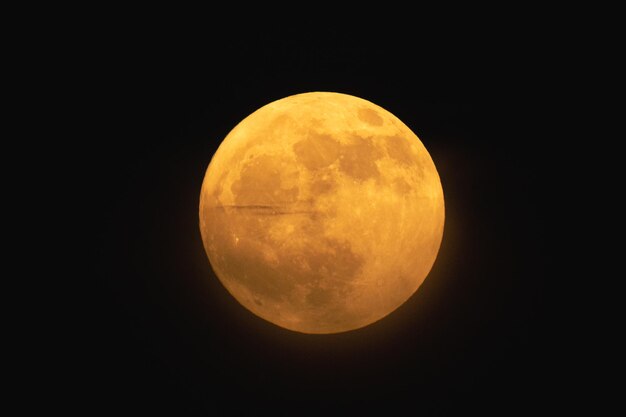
[{"x": 165, "y": 336}]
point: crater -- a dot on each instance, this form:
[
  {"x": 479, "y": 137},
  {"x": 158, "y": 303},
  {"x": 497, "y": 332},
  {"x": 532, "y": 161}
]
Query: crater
[
  {"x": 370, "y": 116},
  {"x": 317, "y": 150}
]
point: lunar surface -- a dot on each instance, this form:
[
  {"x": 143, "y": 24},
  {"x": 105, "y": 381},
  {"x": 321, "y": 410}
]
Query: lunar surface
[{"x": 321, "y": 212}]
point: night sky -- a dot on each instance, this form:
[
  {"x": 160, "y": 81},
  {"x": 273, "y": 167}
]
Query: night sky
[{"x": 165, "y": 336}]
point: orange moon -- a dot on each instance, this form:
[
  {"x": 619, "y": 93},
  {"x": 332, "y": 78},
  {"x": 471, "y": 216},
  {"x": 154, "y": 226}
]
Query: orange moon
[{"x": 321, "y": 212}]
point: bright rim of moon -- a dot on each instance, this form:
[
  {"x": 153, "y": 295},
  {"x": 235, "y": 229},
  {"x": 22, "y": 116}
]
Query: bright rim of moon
[{"x": 321, "y": 212}]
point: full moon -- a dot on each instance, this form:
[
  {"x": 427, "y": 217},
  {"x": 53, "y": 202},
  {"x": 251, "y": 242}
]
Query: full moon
[{"x": 321, "y": 212}]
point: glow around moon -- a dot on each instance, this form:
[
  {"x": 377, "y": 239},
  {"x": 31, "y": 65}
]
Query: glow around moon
[{"x": 321, "y": 212}]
